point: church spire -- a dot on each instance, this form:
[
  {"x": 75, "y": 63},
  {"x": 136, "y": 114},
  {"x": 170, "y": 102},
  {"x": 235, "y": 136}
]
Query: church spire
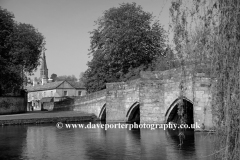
[
  {"x": 44, "y": 64},
  {"x": 44, "y": 70}
]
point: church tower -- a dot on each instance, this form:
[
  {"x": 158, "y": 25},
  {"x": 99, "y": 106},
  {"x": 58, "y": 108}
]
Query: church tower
[{"x": 44, "y": 70}]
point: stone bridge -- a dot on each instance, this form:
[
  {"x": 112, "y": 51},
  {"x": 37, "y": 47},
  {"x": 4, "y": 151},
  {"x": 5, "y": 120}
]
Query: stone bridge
[{"x": 154, "y": 98}]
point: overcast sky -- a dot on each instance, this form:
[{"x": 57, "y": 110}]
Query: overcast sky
[{"x": 66, "y": 24}]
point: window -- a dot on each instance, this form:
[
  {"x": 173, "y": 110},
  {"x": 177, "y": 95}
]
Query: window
[
  {"x": 79, "y": 93},
  {"x": 51, "y": 93},
  {"x": 65, "y": 93}
]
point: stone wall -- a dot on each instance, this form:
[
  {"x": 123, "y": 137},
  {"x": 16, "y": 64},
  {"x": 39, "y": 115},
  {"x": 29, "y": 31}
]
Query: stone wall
[
  {"x": 120, "y": 97},
  {"x": 47, "y": 106},
  {"x": 151, "y": 101},
  {"x": 202, "y": 102},
  {"x": 10, "y": 105},
  {"x": 159, "y": 92},
  {"x": 90, "y": 103},
  {"x": 64, "y": 105},
  {"x": 156, "y": 94}
]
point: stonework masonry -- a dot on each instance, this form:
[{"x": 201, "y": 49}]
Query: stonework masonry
[
  {"x": 157, "y": 93},
  {"x": 10, "y": 105},
  {"x": 91, "y": 103}
]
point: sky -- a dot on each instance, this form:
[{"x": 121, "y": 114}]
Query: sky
[{"x": 66, "y": 24}]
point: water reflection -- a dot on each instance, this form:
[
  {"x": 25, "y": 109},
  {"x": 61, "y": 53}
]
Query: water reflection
[
  {"x": 153, "y": 144},
  {"x": 124, "y": 143},
  {"x": 12, "y": 140},
  {"x": 48, "y": 142},
  {"x": 184, "y": 151}
]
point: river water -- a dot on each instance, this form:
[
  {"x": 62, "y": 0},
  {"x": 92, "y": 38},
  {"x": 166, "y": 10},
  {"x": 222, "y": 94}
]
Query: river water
[{"x": 40, "y": 142}]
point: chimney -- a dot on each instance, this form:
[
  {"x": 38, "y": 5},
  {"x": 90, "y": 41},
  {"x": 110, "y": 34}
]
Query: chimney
[
  {"x": 44, "y": 80},
  {"x": 34, "y": 82}
]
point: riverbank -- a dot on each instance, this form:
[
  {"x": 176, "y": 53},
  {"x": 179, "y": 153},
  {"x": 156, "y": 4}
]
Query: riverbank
[{"x": 38, "y": 117}]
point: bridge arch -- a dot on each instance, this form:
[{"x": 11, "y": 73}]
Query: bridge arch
[
  {"x": 172, "y": 112},
  {"x": 133, "y": 113},
  {"x": 102, "y": 114}
]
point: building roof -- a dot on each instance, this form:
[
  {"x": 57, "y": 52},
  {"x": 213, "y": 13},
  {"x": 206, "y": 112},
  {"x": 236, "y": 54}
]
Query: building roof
[
  {"x": 76, "y": 85},
  {"x": 53, "y": 85},
  {"x": 47, "y": 86}
]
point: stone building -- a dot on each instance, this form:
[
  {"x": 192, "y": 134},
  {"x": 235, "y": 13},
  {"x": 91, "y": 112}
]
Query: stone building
[{"x": 41, "y": 96}]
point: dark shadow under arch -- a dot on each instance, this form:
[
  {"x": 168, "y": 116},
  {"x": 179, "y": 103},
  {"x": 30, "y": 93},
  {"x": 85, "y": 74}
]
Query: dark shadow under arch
[
  {"x": 133, "y": 114},
  {"x": 102, "y": 114},
  {"x": 172, "y": 113}
]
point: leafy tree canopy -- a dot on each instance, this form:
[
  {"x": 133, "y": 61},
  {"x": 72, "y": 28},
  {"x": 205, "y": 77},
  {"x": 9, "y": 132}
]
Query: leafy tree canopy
[
  {"x": 54, "y": 77},
  {"x": 20, "y": 50},
  {"x": 27, "y": 45},
  {"x": 125, "y": 42},
  {"x": 65, "y": 77},
  {"x": 82, "y": 79}
]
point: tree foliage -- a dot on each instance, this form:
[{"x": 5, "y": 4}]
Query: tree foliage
[
  {"x": 82, "y": 79},
  {"x": 53, "y": 77},
  {"x": 65, "y": 77},
  {"x": 20, "y": 50},
  {"x": 215, "y": 37},
  {"x": 165, "y": 62},
  {"x": 126, "y": 41},
  {"x": 26, "y": 46}
]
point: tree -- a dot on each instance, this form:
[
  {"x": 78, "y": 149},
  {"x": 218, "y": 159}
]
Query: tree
[
  {"x": 27, "y": 45},
  {"x": 126, "y": 38},
  {"x": 165, "y": 62},
  {"x": 81, "y": 79},
  {"x": 8, "y": 75},
  {"x": 20, "y": 50},
  {"x": 65, "y": 77},
  {"x": 6, "y": 28},
  {"x": 216, "y": 38},
  {"x": 54, "y": 77}
]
